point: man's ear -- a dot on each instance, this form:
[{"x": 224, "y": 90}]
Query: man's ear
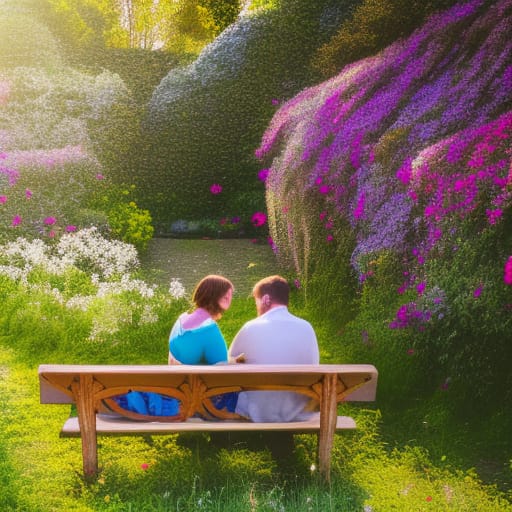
[{"x": 265, "y": 299}]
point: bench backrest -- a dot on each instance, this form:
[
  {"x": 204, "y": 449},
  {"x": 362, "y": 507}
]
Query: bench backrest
[{"x": 56, "y": 379}]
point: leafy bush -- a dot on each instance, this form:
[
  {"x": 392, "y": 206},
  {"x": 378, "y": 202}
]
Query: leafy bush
[
  {"x": 374, "y": 25},
  {"x": 221, "y": 114}
]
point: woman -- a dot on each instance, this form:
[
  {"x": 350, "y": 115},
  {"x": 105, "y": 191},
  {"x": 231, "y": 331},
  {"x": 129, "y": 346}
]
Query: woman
[{"x": 195, "y": 337}]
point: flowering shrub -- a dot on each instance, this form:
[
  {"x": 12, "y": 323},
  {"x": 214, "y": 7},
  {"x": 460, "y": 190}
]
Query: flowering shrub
[
  {"x": 88, "y": 279},
  {"x": 407, "y": 151}
]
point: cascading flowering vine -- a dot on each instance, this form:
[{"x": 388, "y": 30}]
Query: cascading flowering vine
[{"x": 401, "y": 145}]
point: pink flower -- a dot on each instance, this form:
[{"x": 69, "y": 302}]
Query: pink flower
[
  {"x": 258, "y": 219},
  {"x": 275, "y": 101},
  {"x": 263, "y": 174},
  {"x": 52, "y": 234},
  {"x": 297, "y": 284},
  {"x": 493, "y": 215},
  {"x": 410, "y": 352},
  {"x": 329, "y": 238},
  {"x": 49, "y": 221},
  {"x": 478, "y": 292},
  {"x": 420, "y": 288},
  {"x": 144, "y": 466},
  {"x": 28, "y": 193},
  {"x": 16, "y": 220},
  {"x": 359, "y": 209},
  {"x": 70, "y": 228},
  {"x": 216, "y": 189},
  {"x": 507, "y": 272},
  {"x": 100, "y": 176},
  {"x": 324, "y": 189},
  {"x": 3, "y": 199},
  {"x": 322, "y": 215}
]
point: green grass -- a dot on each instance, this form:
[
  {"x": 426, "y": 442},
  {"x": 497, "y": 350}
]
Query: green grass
[{"x": 407, "y": 455}]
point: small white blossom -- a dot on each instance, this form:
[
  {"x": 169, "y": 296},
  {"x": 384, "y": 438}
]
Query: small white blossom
[{"x": 176, "y": 289}]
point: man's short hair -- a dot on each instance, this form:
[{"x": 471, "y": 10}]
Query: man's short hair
[{"x": 276, "y": 287}]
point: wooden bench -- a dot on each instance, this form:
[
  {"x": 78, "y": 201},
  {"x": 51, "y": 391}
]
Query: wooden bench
[{"x": 91, "y": 388}]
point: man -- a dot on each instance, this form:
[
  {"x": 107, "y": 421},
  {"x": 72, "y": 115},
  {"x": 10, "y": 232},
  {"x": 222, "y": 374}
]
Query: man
[{"x": 274, "y": 337}]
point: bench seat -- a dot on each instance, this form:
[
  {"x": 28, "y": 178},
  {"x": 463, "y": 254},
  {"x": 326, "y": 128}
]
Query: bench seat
[{"x": 110, "y": 425}]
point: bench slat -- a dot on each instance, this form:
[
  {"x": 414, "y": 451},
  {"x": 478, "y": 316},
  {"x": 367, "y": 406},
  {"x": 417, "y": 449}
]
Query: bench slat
[{"x": 107, "y": 425}]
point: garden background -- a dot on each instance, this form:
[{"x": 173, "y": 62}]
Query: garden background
[{"x": 361, "y": 148}]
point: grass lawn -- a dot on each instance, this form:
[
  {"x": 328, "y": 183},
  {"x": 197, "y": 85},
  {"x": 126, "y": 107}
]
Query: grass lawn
[{"x": 405, "y": 455}]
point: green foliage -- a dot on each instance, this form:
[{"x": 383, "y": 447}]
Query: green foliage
[
  {"x": 131, "y": 224},
  {"x": 472, "y": 342},
  {"x": 374, "y": 25},
  {"x": 221, "y": 114},
  {"x": 24, "y": 39}
]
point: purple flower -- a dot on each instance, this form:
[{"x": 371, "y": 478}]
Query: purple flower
[
  {"x": 216, "y": 189},
  {"x": 49, "y": 221},
  {"x": 263, "y": 174}
]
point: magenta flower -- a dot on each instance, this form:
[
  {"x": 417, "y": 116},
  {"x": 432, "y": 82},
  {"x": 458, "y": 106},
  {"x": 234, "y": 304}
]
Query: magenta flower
[
  {"x": 507, "y": 275},
  {"x": 478, "y": 291},
  {"x": 216, "y": 189},
  {"x": 275, "y": 101},
  {"x": 493, "y": 215},
  {"x": 144, "y": 466},
  {"x": 52, "y": 234},
  {"x": 258, "y": 219},
  {"x": 16, "y": 220},
  {"x": 322, "y": 215},
  {"x": 263, "y": 174},
  {"x": 297, "y": 284},
  {"x": 324, "y": 189},
  {"x": 28, "y": 193},
  {"x": 329, "y": 238},
  {"x": 100, "y": 176},
  {"x": 70, "y": 228},
  {"x": 49, "y": 221},
  {"x": 3, "y": 199},
  {"x": 235, "y": 220},
  {"x": 420, "y": 288},
  {"x": 359, "y": 209}
]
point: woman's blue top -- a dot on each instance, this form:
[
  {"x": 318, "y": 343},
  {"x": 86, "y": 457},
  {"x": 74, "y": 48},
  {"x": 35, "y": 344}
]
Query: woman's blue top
[{"x": 202, "y": 345}]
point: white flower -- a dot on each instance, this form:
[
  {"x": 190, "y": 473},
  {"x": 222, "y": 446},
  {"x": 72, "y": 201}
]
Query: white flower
[{"x": 176, "y": 289}]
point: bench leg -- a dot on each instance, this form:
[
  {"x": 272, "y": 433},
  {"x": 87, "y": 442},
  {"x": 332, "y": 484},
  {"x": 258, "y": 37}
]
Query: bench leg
[
  {"x": 84, "y": 397},
  {"x": 328, "y": 417}
]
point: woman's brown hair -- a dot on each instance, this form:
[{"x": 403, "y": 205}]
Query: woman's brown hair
[{"x": 209, "y": 291}]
